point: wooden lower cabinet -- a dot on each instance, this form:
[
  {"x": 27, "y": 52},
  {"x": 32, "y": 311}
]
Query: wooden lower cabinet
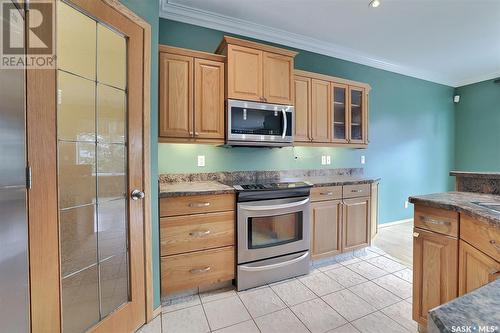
[
  {"x": 326, "y": 220},
  {"x": 184, "y": 271},
  {"x": 435, "y": 267},
  {"x": 475, "y": 268},
  {"x": 356, "y": 223}
]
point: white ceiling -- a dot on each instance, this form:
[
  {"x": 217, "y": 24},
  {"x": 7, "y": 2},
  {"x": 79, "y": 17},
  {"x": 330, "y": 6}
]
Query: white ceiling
[{"x": 453, "y": 42}]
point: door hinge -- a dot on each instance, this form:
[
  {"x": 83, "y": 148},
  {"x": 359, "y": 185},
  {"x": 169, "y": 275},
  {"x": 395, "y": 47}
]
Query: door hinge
[{"x": 28, "y": 177}]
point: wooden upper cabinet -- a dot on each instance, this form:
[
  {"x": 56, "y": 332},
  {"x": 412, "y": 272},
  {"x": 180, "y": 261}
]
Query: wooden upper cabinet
[
  {"x": 326, "y": 228},
  {"x": 176, "y": 96},
  {"x": 340, "y": 115},
  {"x": 244, "y": 73},
  {"x": 356, "y": 223},
  {"x": 209, "y": 99},
  {"x": 278, "y": 78},
  {"x": 258, "y": 72},
  {"x": 320, "y": 111},
  {"x": 191, "y": 85},
  {"x": 357, "y": 115},
  {"x": 435, "y": 265},
  {"x": 302, "y": 104},
  {"x": 475, "y": 269},
  {"x": 338, "y": 110}
]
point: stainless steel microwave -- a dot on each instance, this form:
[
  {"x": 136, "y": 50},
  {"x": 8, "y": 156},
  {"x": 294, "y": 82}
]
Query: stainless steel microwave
[{"x": 259, "y": 124}]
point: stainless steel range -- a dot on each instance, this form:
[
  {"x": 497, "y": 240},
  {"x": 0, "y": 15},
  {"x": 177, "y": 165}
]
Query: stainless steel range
[{"x": 273, "y": 232}]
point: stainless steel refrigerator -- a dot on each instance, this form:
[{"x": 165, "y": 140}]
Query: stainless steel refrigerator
[{"x": 14, "y": 276}]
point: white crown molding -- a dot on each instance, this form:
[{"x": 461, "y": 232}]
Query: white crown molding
[
  {"x": 181, "y": 13},
  {"x": 477, "y": 79}
]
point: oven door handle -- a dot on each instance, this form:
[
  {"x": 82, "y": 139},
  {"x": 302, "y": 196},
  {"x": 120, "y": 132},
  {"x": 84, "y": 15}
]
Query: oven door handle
[
  {"x": 275, "y": 207},
  {"x": 284, "y": 123},
  {"x": 273, "y": 266}
]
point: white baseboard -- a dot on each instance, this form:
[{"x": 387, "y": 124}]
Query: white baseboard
[{"x": 390, "y": 224}]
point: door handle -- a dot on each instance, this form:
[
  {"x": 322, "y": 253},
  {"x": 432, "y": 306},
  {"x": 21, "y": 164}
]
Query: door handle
[
  {"x": 273, "y": 266},
  {"x": 284, "y": 123},
  {"x": 137, "y": 194},
  {"x": 275, "y": 207}
]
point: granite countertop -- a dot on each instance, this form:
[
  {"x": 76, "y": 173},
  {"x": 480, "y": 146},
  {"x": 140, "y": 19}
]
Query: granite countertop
[
  {"x": 488, "y": 175},
  {"x": 169, "y": 189},
  {"x": 462, "y": 202},
  {"x": 477, "y": 308},
  {"x": 320, "y": 181}
]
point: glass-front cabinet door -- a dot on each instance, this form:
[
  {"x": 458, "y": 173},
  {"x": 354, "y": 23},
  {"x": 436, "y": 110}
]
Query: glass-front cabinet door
[
  {"x": 340, "y": 115},
  {"x": 357, "y": 115}
]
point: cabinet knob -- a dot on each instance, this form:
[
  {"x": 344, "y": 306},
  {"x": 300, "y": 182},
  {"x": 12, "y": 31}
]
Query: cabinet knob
[
  {"x": 416, "y": 234},
  {"x": 495, "y": 245},
  {"x": 196, "y": 134}
]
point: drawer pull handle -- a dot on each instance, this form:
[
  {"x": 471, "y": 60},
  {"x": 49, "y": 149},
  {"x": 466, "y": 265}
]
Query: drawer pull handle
[
  {"x": 200, "y": 270},
  {"x": 199, "y": 204},
  {"x": 427, "y": 220},
  {"x": 326, "y": 193},
  {"x": 199, "y": 233},
  {"x": 416, "y": 234},
  {"x": 495, "y": 245},
  {"x": 494, "y": 274},
  {"x": 356, "y": 191}
]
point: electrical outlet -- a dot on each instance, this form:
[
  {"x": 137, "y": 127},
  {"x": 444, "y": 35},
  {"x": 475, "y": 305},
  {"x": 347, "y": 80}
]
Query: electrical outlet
[
  {"x": 328, "y": 159},
  {"x": 406, "y": 204},
  {"x": 363, "y": 159},
  {"x": 323, "y": 160},
  {"x": 201, "y": 160}
]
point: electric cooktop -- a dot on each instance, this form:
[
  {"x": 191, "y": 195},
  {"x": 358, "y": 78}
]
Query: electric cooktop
[{"x": 271, "y": 186}]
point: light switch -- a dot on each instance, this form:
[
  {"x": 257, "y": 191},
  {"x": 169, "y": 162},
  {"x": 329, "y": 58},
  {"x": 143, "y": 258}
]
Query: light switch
[
  {"x": 407, "y": 203},
  {"x": 323, "y": 160},
  {"x": 328, "y": 159},
  {"x": 363, "y": 160},
  {"x": 201, "y": 160}
]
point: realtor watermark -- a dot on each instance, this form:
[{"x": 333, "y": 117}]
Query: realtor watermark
[
  {"x": 30, "y": 45},
  {"x": 475, "y": 329}
]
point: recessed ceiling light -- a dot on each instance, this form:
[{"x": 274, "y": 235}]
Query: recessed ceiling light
[{"x": 374, "y": 3}]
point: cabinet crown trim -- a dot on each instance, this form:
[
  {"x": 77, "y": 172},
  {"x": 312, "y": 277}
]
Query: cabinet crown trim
[
  {"x": 333, "y": 79},
  {"x": 246, "y": 43},
  {"x": 191, "y": 53}
]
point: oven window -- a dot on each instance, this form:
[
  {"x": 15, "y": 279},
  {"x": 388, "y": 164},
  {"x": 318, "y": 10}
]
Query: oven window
[{"x": 275, "y": 230}]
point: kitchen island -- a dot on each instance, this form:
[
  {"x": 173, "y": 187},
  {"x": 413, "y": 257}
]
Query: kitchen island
[{"x": 456, "y": 250}]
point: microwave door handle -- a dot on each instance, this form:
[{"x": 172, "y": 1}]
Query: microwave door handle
[
  {"x": 274, "y": 207},
  {"x": 284, "y": 123}
]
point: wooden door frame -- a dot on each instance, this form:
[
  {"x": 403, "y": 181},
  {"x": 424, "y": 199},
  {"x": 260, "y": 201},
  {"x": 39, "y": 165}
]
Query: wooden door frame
[{"x": 41, "y": 84}]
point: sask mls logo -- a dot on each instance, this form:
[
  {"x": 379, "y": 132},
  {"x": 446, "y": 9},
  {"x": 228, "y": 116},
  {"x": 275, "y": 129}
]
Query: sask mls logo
[{"x": 28, "y": 45}]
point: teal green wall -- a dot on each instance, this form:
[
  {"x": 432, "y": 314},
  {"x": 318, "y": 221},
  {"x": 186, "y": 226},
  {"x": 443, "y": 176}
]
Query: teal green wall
[
  {"x": 148, "y": 10},
  {"x": 477, "y": 146},
  {"x": 411, "y": 130}
]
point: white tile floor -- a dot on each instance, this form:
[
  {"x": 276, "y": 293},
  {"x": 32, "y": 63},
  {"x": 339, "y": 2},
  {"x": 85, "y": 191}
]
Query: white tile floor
[{"x": 366, "y": 291}]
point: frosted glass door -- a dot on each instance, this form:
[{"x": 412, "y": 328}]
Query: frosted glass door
[{"x": 92, "y": 169}]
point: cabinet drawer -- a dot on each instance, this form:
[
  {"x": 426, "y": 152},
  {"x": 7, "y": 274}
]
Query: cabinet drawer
[
  {"x": 196, "y": 204},
  {"x": 437, "y": 220},
  {"x": 480, "y": 235},
  {"x": 180, "y": 234},
  {"x": 326, "y": 193},
  {"x": 354, "y": 191},
  {"x": 185, "y": 271}
]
